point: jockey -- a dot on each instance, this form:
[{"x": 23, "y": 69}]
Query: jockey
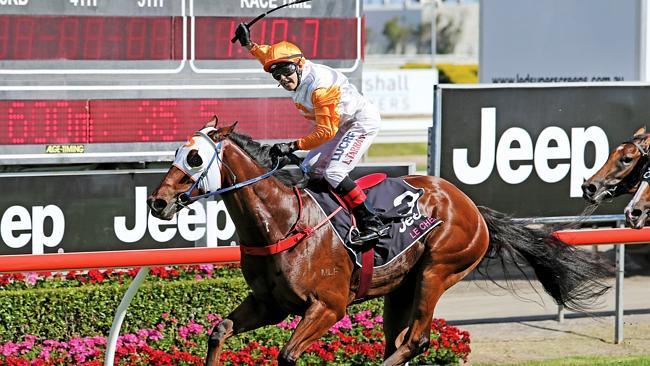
[{"x": 345, "y": 125}]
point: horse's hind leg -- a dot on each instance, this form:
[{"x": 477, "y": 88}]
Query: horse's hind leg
[
  {"x": 250, "y": 314},
  {"x": 416, "y": 339},
  {"x": 317, "y": 320},
  {"x": 397, "y": 314}
]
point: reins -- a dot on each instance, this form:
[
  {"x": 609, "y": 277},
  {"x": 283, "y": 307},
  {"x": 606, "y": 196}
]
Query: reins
[
  {"x": 296, "y": 233},
  {"x": 184, "y": 199}
]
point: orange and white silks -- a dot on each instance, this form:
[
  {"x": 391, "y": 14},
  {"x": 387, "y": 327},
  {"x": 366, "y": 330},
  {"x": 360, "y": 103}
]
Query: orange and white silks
[{"x": 345, "y": 123}]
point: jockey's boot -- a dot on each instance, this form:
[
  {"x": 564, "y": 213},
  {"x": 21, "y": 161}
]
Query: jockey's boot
[{"x": 368, "y": 224}]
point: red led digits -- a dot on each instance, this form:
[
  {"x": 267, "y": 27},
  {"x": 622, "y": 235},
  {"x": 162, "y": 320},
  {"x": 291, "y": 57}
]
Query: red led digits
[
  {"x": 279, "y": 30},
  {"x": 332, "y": 34},
  {"x": 92, "y": 41},
  {"x": 4, "y": 37},
  {"x": 142, "y": 120},
  {"x": 309, "y": 35},
  {"x": 39, "y": 37},
  {"x": 136, "y": 33},
  {"x": 42, "y": 122},
  {"x": 160, "y": 40},
  {"x": 213, "y": 36},
  {"x": 24, "y": 36},
  {"x": 68, "y": 36}
]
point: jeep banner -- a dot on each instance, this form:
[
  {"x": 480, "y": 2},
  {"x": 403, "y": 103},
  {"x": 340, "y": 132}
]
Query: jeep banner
[
  {"x": 107, "y": 211},
  {"x": 526, "y": 150}
]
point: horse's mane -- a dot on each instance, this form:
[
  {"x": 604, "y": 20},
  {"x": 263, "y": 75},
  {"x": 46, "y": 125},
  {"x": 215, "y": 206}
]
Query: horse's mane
[{"x": 260, "y": 153}]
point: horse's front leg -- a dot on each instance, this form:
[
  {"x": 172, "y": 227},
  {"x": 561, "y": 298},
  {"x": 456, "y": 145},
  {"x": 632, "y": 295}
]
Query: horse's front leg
[
  {"x": 250, "y": 314},
  {"x": 317, "y": 320}
]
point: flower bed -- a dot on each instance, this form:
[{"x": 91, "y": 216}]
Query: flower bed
[
  {"x": 355, "y": 340},
  {"x": 179, "y": 336},
  {"x": 31, "y": 280}
]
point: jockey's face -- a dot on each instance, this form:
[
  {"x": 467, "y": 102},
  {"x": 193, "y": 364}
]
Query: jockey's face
[
  {"x": 289, "y": 82},
  {"x": 286, "y": 75}
]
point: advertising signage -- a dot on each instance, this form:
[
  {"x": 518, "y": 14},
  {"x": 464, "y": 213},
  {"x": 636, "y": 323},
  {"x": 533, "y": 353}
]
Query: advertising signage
[
  {"x": 526, "y": 150},
  {"x": 107, "y": 211},
  {"x": 100, "y": 212}
]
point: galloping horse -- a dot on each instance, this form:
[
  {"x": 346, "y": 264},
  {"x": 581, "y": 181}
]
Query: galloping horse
[
  {"x": 317, "y": 278},
  {"x": 621, "y": 173}
]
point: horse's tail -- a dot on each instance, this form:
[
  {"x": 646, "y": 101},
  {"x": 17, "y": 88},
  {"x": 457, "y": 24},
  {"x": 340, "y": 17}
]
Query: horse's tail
[{"x": 573, "y": 277}]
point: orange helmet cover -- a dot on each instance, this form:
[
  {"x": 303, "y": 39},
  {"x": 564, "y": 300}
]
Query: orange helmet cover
[{"x": 283, "y": 52}]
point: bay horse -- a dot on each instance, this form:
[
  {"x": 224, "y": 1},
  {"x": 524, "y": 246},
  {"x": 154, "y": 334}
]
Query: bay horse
[
  {"x": 317, "y": 279},
  {"x": 621, "y": 173}
]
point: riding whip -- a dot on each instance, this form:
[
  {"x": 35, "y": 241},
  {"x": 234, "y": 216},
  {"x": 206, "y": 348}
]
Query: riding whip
[{"x": 250, "y": 24}]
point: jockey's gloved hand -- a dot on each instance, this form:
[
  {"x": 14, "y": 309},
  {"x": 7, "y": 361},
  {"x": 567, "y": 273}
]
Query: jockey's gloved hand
[
  {"x": 243, "y": 34},
  {"x": 282, "y": 149}
]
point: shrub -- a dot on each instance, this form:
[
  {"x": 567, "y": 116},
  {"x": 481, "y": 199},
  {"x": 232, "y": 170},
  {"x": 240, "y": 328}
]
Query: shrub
[{"x": 58, "y": 323}]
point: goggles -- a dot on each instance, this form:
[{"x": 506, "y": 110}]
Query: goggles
[{"x": 284, "y": 69}]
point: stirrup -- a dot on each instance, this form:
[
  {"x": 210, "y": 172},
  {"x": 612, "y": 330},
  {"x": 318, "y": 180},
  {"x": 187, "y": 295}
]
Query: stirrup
[{"x": 358, "y": 241}]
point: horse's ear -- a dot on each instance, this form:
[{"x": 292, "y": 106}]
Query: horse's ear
[
  {"x": 213, "y": 122},
  {"x": 640, "y": 132},
  {"x": 225, "y": 131}
]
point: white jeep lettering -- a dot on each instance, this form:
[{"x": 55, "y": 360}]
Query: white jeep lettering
[
  {"x": 18, "y": 218},
  {"x": 203, "y": 219},
  {"x": 542, "y": 152}
]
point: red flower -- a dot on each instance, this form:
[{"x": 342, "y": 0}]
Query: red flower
[{"x": 95, "y": 276}]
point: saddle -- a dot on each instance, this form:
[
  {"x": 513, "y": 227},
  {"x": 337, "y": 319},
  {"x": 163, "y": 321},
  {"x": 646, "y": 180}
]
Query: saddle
[{"x": 396, "y": 204}]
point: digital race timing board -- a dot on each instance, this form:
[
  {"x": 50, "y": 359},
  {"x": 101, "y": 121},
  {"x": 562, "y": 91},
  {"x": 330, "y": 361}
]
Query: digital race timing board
[{"x": 127, "y": 80}]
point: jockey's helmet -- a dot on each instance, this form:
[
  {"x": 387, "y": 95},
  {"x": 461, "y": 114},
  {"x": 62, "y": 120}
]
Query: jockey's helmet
[{"x": 283, "y": 52}]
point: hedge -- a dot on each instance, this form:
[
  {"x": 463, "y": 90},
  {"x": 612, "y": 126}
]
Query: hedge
[
  {"x": 61, "y": 313},
  {"x": 61, "y": 319}
]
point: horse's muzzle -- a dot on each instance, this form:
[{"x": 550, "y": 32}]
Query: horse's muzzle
[
  {"x": 635, "y": 218},
  {"x": 157, "y": 207}
]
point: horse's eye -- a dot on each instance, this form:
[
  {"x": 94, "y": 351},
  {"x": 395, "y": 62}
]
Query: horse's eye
[
  {"x": 194, "y": 159},
  {"x": 627, "y": 159}
]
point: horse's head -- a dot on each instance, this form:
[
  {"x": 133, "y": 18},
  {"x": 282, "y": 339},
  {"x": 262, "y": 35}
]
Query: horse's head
[
  {"x": 197, "y": 169},
  {"x": 622, "y": 171},
  {"x": 637, "y": 211}
]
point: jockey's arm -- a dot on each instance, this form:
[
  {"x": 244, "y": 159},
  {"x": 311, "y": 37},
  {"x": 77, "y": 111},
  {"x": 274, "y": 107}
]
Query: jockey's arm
[
  {"x": 325, "y": 103},
  {"x": 259, "y": 51}
]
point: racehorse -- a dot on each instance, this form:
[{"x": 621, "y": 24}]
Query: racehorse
[
  {"x": 317, "y": 279},
  {"x": 621, "y": 173}
]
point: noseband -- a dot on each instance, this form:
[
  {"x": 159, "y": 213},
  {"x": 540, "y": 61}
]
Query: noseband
[{"x": 185, "y": 199}]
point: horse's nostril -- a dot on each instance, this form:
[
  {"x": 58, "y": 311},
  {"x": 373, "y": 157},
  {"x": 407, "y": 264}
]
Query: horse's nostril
[
  {"x": 636, "y": 213},
  {"x": 591, "y": 188},
  {"x": 157, "y": 205}
]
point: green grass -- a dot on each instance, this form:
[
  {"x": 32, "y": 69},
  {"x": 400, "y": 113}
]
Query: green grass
[
  {"x": 585, "y": 361},
  {"x": 398, "y": 149}
]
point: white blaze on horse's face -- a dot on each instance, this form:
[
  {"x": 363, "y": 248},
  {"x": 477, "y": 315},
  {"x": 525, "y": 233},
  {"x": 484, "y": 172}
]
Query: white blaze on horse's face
[
  {"x": 636, "y": 212},
  {"x": 208, "y": 173}
]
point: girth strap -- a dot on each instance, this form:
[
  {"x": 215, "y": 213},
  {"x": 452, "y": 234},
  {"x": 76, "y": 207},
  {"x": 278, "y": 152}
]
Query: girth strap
[
  {"x": 365, "y": 277},
  {"x": 296, "y": 234}
]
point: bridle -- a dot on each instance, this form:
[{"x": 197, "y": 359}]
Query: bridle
[
  {"x": 185, "y": 199},
  {"x": 642, "y": 151},
  {"x": 625, "y": 185}
]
